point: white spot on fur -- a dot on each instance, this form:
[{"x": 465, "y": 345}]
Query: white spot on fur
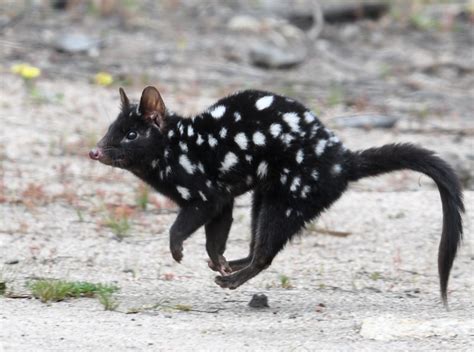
[
  {"x": 264, "y": 102},
  {"x": 237, "y": 116},
  {"x": 314, "y": 130},
  {"x": 295, "y": 184},
  {"x": 283, "y": 179},
  {"x": 292, "y": 119},
  {"x": 305, "y": 191},
  {"x": 184, "y": 192},
  {"x": 167, "y": 153},
  {"x": 287, "y": 138},
  {"x": 186, "y": 164},
  {"x": 320, "y": 147},
  {"x": 212, "y": 141},
  {"x": 336, "y": 169},
  {"x": 230, "y": 160},
  {"x": 190, "y": 131},
  {"x": 180, "y": 127},
  {"x": 223, "y": 132},
  {"x": 288, "y": 212},
  {"x": 203, "y": 197},
  {"x": 275, "y": 129},
  {"x": 299, "y": 156},
  {"x": 183, "y": 146},
  {"x": 208, "y": 183},
  {"x": 199, "y": 140},
  {"x": 168, "y": 170},
  {"x": 154, "y": 163},
  {"x": 201, "y": 167},
  {"x": 286, "y": 170},
  {"x": 249, "y": 158},
  {"x": 170, "y": 134},
  {"x": 314, "y": 175},
  {"x": 258, "y": 138},
  {"x": 333, "y": 140},
  {"x": 218, "y": 111},
  {"x": 241, "y": 140},
  {"x": 262, "y": 169},
  {"x": 309, "y": 117}
]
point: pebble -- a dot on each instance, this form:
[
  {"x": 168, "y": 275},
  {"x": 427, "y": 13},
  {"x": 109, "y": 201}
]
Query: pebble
[{"x": 259, "y": 301}]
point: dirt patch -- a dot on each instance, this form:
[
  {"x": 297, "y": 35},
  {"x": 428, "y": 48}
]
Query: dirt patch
[{"x": 66, "y": 217}]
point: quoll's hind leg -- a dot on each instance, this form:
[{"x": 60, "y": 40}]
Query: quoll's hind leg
[
  {"x": 274, "y": 229},
  {"x": 238, "y": 264},
  {"x": 217, "y": 232}
]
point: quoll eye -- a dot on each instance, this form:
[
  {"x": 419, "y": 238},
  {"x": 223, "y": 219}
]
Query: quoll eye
[{"x": 132, "y": 135}]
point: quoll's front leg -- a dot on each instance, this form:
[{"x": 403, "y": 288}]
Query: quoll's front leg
[
  {"x": 217, "y": 232},
  {"x": 189, "y": 219}
]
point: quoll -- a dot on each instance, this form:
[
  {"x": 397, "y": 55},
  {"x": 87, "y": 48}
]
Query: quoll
[{"x": 267, "y": 143}]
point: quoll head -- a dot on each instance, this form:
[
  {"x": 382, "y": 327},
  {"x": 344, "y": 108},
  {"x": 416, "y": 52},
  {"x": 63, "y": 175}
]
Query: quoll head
[{"x": 135, "y": 136}]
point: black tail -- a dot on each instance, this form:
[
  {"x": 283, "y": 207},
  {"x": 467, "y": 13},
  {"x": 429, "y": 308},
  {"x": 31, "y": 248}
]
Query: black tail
[{"x": 392, "y": 157}]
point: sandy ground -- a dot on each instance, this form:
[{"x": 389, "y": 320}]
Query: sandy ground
[{"x": 375, "y": 288}]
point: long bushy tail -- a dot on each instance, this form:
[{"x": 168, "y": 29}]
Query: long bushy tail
[{"x": 392, "y": 157}]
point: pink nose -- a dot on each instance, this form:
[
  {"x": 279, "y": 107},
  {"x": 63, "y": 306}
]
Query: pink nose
[{"x": 95, "y": 154}]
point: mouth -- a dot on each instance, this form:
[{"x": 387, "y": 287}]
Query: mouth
[{"x": 98, "y": 154}]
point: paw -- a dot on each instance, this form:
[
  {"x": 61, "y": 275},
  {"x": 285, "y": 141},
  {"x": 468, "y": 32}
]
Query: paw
[
  {"x": 227, "y": 282},
  {"x": 222, "y": 266},
  {"x": 177, "y": 252}
]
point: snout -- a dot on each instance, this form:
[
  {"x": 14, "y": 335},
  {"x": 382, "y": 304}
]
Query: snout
[{"x": 95, "y": 154}]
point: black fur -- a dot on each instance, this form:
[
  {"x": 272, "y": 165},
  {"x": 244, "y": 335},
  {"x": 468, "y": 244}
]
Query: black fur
[{"x": 267, "y": 143}]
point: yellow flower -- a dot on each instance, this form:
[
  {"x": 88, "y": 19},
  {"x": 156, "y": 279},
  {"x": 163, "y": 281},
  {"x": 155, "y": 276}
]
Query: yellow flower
[
  {"x": 103, "y": 79},
  {"x": 26, "y": 71}
]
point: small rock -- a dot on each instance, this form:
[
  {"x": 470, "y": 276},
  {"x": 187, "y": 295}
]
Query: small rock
[
  {"x": 365, "y": 121},
  {"x": 245, "y": 24},
  {"x": 259, "y": 301},
  {"x": 77, "y": 43},
  {"x": 12, "y": 262},
  {"x": 268, "y": 55}
]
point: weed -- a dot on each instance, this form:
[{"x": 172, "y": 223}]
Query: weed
[
  {"x": 120, "y": 227},
  {"x": 118, "y": 221},
  {"x": 80, "y": 217},
  {"x": 3, "y": 288},
  {"x": 106, "y": 299},
  {"x": 375, "y": 276},
  {"x": 285, "y": 282},
  {"x": 336, "y": 95},
  {"x": 142, "y": 196},
  {"x": 58, "y": 290}
]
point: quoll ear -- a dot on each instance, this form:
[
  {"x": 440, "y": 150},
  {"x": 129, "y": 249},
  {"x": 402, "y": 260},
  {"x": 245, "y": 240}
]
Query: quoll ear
[
  {"x": 152, "y": 106},
  {"x": 124, "y": 100}
]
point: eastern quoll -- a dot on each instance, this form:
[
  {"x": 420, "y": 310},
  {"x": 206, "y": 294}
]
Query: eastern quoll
[{"x": 273, "y": 145}]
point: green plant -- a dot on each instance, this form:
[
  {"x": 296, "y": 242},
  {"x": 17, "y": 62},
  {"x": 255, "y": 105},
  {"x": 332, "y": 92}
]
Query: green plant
[
  {"x": 57, "y": 290},
  {"x": 107, "y": 301},
  {"x": 142, "y": 196},
  {"x": 120, "y": 226},
  {"x": 3, "y": 287},
  {"x": 285, "y": 282},
  {"x": 336, "y": 95},
  {"x": 375, "y": 276}
]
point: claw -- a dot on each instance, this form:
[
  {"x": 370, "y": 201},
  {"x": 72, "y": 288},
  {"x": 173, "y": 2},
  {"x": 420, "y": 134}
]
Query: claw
[
  {"x": 222, "y": 266},
  {"x": 177, "y": 252}
]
